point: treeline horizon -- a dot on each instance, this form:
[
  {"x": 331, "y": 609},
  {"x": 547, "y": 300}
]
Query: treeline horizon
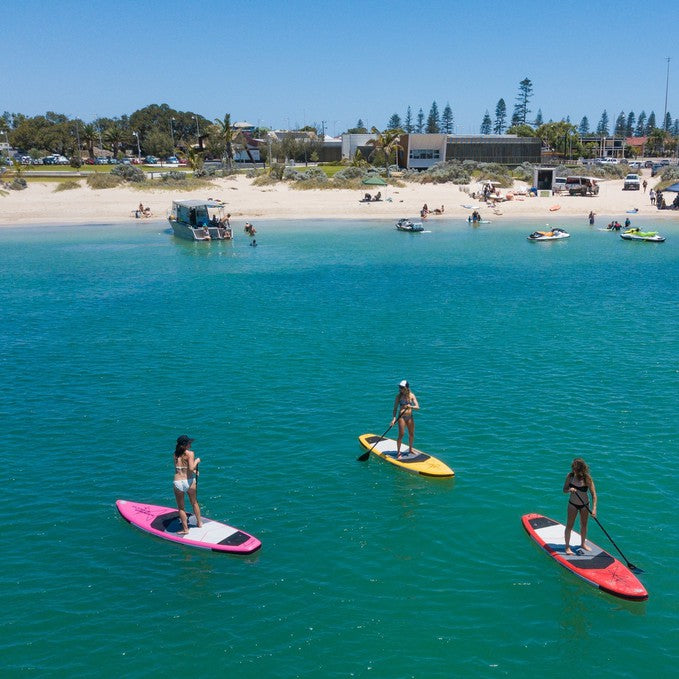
[{"x": 160, "y": 130}]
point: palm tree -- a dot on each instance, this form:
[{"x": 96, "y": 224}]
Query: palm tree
[
  {"x": 89, "y": 137},
  {"x": 227, "y": 134},
  {"x": 387, "y": 142},
  {"x": 195, "y": 159},
  {"x": 115, "y": 137}
]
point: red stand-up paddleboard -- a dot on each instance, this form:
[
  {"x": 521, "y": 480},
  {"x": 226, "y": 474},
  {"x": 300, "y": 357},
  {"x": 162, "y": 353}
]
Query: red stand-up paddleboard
[
  {"x": 597, "y": 566},
  {"x": 164, "y": 522}
]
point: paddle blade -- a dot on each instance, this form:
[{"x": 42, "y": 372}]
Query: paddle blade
[{"x": 363, "y": 457}]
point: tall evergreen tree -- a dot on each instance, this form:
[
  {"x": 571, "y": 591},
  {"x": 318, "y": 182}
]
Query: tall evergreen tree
[
  {"x": 629, "y": 125},
  {"x": 419, "y": 126},
  {"x": 486, "y": 124},
  {"x": 500, "y": 117},
  {"x": 668, "y": 122},
  {"x": 433, "y": 119},
  {"x": 650, "y": 123},
  {"x": 641, "y": 125},
  {"x": 620, "y": 125},
  {"x": 538, "y": 118},
  {"x": 521, "y": 109},
  {"x": 602, "y": 127},
  {"x": 447, "y": 120},
  {"x": 583, "y": 129},
  {"x": 675, "y": 128},
  {"x": 408, "y": 122},
  {"x": 394, "y": 122}
]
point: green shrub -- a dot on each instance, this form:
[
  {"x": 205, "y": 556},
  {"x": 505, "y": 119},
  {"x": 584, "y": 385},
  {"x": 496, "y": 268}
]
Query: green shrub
[
  {"x": 175, "y": 176},
  {"x": 350, "y": 172},
  {"x": 129, "y": 173},
  {"x": 17, "y": 184},
  {"x": 103, "y": 180},
  {"x": 67, "y": 185},
  {"x": 452, "y": 171}
]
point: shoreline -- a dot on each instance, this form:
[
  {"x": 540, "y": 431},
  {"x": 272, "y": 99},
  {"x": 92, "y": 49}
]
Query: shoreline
[{"x": 39, "y": 205}]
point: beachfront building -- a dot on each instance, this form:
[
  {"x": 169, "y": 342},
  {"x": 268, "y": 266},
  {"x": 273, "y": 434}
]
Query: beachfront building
[
  {"x": 606, "y": 147},
  {"x": 420, "y": 151}
]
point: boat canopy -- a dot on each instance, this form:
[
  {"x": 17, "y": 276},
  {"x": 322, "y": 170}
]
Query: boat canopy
[{"x": 199, "y": 203}]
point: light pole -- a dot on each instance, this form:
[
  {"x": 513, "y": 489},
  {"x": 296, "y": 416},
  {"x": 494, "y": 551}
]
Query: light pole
[
  {"x": 77, "y": 136},
  {"x": 667, "y": 86},
  {"x": 136, "y": 134},
  {"x": 172, "y": 132}
]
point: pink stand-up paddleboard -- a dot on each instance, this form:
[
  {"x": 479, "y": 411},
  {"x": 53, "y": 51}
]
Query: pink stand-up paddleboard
[{"x": 164, "y": 522}]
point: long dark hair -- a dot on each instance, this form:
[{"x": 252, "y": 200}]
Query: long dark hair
[{"x": 181, "y": 449}]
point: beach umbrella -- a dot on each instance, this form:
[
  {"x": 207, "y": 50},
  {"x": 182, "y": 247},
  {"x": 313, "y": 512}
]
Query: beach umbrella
[
  {"x": 673, "y": 187},
  {"x": 374, "y": 180}
]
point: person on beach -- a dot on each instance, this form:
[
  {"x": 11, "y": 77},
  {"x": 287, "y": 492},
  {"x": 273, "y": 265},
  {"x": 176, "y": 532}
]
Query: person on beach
[
  {"x": 591, "y": 218},
  {"x": 644, "y": 184},
  {"x": 651, "y": 195},
  {"x": 185, "y": 481},
  {"x": 404, "y": 404},
  {"x": 578, "y": 484}
]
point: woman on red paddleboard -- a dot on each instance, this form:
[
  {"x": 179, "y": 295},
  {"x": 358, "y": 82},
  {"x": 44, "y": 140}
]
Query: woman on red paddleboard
[
  {"x": 185, "y": 473},
  {"x": 404, "y": 403},
  {"x": 578, "y": 484}
]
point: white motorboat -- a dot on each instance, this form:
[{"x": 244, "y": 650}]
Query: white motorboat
[{"x": 199, "y": 220}]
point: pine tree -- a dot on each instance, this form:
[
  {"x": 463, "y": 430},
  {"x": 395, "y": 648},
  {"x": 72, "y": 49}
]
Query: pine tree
[
  {"x": 447, "y": 120},
  {"x": 500, "y": 117},
  {"x": 650, "y": 124},
  {"x": 620, "y": 125},
  {"x": 583, "y": 129},
  {"x": 408, "y": 122},
  {"x": 641, "y": 125},
  {"x": 668, "y": 122},
  {"x": 675, "y": 128},
  {"x": 486, "y": 124},
  {"x": 521, "y": 109},
  {"x": 419, "y": 127},
  {"x": 394, "y": 122},
  {"x": 629, "y": 126},
  {"x": 433, "y": 120},
  {"x": 602, "y": 127},
  {"x": 538, "y": 118}
]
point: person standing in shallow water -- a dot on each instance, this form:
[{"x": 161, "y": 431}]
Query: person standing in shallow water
[
  {"x": 185, "y": 481},
  {"x": 404, "y": 404},
  {"x": 579, "y": 485}
]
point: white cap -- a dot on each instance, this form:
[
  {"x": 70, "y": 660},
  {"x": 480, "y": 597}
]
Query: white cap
[{"x": 403, "y": 383}]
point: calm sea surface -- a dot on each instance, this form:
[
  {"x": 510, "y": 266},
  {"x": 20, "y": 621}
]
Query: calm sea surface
[{"x": 115, "y": 340}]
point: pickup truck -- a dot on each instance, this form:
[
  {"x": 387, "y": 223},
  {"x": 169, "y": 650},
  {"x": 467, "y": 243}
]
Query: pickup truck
[{"x": 632, "y": 183}]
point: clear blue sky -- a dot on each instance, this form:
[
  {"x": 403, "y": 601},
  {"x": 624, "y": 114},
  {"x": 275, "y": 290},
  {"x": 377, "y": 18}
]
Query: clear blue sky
[{"x": 292, "y": 63}]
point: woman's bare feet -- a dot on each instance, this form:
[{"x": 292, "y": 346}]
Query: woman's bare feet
[
  {"x": 182, "y": 532},
  {"x": 585, "y": 547},
  {"x": 569, "y": 551}
]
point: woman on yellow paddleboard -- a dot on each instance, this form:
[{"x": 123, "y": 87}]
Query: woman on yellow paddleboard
[{"x": 404, "y": 404}]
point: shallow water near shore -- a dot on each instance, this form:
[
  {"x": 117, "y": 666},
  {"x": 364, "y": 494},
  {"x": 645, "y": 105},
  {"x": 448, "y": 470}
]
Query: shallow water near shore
[{"x": 115, "y": 340}]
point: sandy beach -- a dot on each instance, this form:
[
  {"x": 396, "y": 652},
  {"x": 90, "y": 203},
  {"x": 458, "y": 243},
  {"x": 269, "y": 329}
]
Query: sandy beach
[{"x": 39, "y": 204}]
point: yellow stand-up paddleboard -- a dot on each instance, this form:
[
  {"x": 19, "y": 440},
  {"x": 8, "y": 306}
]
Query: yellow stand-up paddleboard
[{"x": 417, "y": 463}]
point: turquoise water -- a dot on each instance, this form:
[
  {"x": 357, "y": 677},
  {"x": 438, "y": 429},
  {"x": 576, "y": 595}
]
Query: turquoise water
[{"x": 115, "y": 340}]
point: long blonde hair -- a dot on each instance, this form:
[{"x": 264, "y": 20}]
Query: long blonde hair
[{"x": 580, "y": 468}]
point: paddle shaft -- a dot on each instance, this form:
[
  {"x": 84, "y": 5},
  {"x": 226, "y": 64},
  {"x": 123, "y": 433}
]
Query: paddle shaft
[
  {"x": 630, "y": 565},
  {"x": 366, "y": 455}
]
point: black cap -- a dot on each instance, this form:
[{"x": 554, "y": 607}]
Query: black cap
[{"x": 184, "y": 440}]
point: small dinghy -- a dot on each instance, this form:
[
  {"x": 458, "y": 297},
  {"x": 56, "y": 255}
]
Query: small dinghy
[{"x": 409, "y": 225}]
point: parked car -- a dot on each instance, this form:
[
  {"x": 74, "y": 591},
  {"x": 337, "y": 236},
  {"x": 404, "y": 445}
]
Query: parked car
[
  {"x": 648, "y": 164},
  {"x": 126, "y": 161},
  {"x": 150, "y": 160},
  {"x": 559, "y": 184},
  {"x": 635, "y": 164},
  {"x": 582, "y": 186},
  {"x": 655, "y": 168},
  {"x": 112, "y": 161},
  {"x": 632, "y": 183},
  {"x": 101, "y": 160},
  {"x": 173, "y": 160},
  {"x": 665, "y": 161},
  {"x": 36, "y": 161},
  {"x": 136, "y": 161}
]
